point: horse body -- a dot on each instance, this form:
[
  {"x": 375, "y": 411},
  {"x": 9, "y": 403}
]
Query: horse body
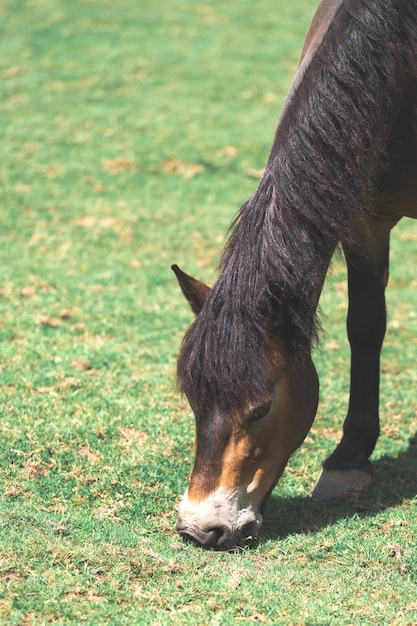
[{"x": 342, "y": 168}]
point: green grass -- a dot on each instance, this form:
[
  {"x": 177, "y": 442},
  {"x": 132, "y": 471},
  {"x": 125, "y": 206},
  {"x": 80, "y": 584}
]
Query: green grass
[{"x": 129, "y": 137}]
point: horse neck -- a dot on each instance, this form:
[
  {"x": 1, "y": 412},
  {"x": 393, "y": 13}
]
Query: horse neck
[
  {"x": 329, "y": 154},
  {"x": 275, "y": 263}
]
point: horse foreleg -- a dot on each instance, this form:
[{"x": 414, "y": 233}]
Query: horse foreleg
[{"x": 348, "y": 470}]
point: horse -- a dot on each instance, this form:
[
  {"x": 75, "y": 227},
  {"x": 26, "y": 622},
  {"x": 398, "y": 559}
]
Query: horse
[{"x": 342, "y": 171}]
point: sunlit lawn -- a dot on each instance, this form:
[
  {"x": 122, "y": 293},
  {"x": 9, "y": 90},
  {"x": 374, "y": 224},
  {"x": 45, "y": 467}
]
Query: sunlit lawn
[{"x": 130, "y": 135}]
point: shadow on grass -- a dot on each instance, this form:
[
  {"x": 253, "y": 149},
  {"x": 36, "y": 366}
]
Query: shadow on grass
[{"x": 395, "y": 482}]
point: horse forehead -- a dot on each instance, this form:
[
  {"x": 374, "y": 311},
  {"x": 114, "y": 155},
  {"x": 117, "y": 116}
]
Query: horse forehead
[{"x": 216, "y": 425}]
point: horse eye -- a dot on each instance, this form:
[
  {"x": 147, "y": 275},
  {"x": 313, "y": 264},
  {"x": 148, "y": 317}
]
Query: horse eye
[{"x": 260, "y": 412}]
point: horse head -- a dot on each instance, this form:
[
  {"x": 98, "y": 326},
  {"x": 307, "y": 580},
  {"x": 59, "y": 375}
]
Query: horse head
[{"x": 241, "y": 452}]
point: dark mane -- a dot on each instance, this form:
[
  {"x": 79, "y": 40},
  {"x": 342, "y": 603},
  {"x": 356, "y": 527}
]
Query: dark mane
[{"x": 331, "y": 151}]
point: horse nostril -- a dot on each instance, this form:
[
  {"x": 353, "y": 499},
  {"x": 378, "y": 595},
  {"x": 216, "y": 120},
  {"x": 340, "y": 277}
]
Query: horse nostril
[{"x": 204, "y": 538}]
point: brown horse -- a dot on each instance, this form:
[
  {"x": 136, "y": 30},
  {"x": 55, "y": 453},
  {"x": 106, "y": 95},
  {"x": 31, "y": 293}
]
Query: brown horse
[{"x": 342, "y": 169}]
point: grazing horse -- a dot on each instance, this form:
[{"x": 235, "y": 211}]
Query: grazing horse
[{"x": 342, "y": 169}]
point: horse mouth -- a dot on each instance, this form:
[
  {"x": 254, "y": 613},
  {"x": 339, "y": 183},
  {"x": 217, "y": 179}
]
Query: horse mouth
[{"x": 219, "y": 538}]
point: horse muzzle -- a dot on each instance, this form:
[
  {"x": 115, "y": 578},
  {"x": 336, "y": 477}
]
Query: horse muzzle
[
  {"x": 219, "y": 538},
  {"x": 218, "y": 522}
]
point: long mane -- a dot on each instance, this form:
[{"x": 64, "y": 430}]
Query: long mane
[{"x": 331, "y": 150}]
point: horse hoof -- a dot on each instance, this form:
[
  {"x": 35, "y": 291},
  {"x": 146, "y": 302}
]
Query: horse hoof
[{"x": 345, "y": 484}]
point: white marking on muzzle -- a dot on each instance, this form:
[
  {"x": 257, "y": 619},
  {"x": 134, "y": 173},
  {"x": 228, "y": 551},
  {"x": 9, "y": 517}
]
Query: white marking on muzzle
[{"x": 220, "y": 509}]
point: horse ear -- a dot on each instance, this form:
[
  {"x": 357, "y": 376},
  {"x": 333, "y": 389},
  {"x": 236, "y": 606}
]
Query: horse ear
[{"x": 195, "y": 291}]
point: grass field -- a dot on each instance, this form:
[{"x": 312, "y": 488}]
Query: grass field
[{"x": 131, "y": 132}]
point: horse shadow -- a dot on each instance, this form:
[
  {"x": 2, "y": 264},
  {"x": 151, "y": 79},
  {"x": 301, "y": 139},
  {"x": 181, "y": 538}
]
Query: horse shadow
[{"x": 395, "y": 481}]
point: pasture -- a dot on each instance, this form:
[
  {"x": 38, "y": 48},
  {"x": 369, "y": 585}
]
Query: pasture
[{"x": 131, "y": 133}]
